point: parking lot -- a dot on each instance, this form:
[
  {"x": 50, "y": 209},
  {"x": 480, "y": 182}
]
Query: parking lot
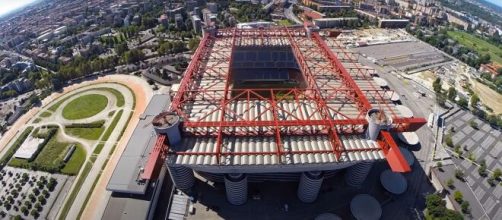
[
  {"x": 485, "y": 143},
  {"x": 30, "y": 194},
  {"x": 404, "y": 55}
]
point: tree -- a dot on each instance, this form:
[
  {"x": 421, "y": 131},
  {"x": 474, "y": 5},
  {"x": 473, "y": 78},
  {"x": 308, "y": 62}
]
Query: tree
[
  {"x": 450, "y": 183},
  {"x": 452, "y": 93},
  {"x": 193, "y": 44},
  {"x": 459, "y": 174},
  {"x": 458, "y": 196},
  {"x": 436, "y": 209},
  {"x": 463, "y": 102},
  {"x": 441, "y": 99},
  {"x": 437, "y": 85},
  {"x": 482, "y": 169},
  {"x": 465, "y": 207},
  {"x": 474, "y": 100},
  {"x": 473, "y": 124},
  {"x": 497, "y": 173}
]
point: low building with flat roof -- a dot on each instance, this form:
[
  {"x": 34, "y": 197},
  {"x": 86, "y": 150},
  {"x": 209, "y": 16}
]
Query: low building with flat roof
[{"x": 125, "y": 177}]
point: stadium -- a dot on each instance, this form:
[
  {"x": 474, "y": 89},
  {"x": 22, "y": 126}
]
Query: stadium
[{"x": 269, "y": 104}]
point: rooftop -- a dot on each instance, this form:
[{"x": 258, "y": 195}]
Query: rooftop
[
  {"x": 126, "y": 173},
  {"x": 322, "y": 124}
]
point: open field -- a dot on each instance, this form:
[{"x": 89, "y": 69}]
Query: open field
[
  {"x": 85, "y": 106},
  {"x": 85, "y": 133},
  {"x": 479, "y": 45},
  {"x": 489, "y": 97},
  {"x": 75, "y": 163}
]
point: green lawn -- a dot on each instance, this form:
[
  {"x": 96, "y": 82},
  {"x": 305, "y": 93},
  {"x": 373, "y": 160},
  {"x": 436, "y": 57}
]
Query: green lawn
[
  {"x": 117, "y": 94},
  {"x": 45, "y": 114},
  {"x": 478, "y": 44},
  {"x": 56, "y": 106},
  {"x": 75, "y": 163},
  {"x": 85, "y": 133},
  {"x": 111, "y": 127},
  {"x": 85, "y": 106},
  {"x": 75, "y": 191}
]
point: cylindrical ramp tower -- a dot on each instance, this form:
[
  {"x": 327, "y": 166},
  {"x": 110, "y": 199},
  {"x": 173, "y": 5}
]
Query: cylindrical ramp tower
[
  {"x": 168, "y": 123},
  {"x": 310, "y": 184},
  {"x": 236, "y": 186},
  {"x": 356, "y": 174},
  {"x": 377, "y": 120},
  {"x": 182, "y": 177}
]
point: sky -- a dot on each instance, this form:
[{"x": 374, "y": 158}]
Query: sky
[
  {"x": 497, "y": 2},
  {"x": 9, "y": 5}
]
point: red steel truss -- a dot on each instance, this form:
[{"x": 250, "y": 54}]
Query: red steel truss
[{"x": 327, "y": 81}]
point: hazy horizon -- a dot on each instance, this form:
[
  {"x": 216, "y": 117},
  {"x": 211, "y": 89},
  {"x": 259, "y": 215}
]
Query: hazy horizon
[
  {"x": 7, "y": 6},
  {"x": 496, "y": 2}
]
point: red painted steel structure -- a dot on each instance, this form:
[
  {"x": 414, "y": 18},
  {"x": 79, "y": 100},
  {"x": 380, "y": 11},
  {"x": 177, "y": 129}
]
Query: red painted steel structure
[{"x": 306, "y": 49}]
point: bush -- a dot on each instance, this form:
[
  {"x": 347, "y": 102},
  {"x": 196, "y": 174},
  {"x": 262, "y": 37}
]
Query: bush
[
  {"x": 97, "y": 124},
  {"x": 457, "y": 195}
]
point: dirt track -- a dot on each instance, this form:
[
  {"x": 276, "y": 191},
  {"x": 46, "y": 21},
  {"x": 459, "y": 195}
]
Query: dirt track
[{"x": 99, "y": 197}]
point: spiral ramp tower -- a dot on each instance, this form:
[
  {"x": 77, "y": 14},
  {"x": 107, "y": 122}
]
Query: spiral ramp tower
[
  {"x": 310, "y": 185},
  {"x": 236, "y": 187},
  {"x": 356, "y": 174},
  {"x": 183, "y": 177}
]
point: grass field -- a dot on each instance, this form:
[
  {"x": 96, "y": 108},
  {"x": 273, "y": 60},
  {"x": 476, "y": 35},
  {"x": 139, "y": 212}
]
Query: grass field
[
  {"x": 111, "y": 127},
  {"x": 85, "y": 133},
  {"x": 75, "y": 163},
  {"x": 45, "y": 114},
  {"x": 85, "y": 106},
  {"x": 489, "y": 97},
  {"x": 51, "y": 156},
  {"x": 117, "y": 94},
  {"x": 478, "y": 44}
]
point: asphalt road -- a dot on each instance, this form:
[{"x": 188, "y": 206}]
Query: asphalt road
[{"x": 421, "y": 106}]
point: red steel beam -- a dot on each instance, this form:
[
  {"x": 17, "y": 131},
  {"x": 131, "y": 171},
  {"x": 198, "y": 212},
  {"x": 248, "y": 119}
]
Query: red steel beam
[
  {"x": 155, "y": 158},
  {"x": 223, "y": 104},
  {"x": 346, "y": 78},
  {"x": 396, "y": 160}
]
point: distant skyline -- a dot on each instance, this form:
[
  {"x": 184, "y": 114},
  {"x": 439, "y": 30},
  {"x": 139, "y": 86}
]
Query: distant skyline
[{"x": 7, "y": 6}]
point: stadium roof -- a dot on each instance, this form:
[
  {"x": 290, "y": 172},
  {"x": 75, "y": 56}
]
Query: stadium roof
[{"x": 229, "y": 129}]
